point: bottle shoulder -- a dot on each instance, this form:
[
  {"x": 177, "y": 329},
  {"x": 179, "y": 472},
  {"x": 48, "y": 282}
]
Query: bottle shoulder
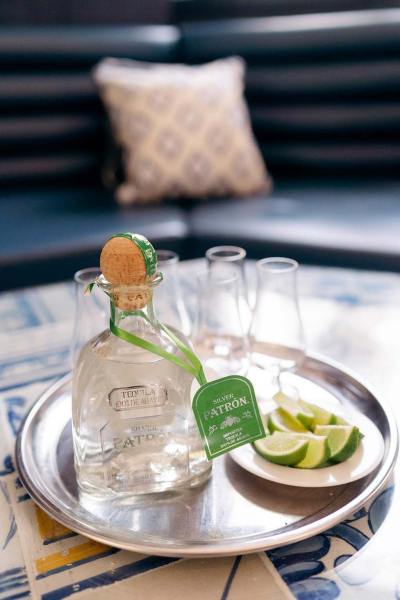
[{"x": 107, "y": 346}]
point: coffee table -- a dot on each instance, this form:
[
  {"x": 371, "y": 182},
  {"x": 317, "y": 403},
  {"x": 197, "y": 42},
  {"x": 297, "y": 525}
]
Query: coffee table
[{"x": 349, "y": 316}]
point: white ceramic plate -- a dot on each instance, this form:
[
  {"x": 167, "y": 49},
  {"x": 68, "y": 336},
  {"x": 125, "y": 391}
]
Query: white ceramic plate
[{"x": 364, "y": 460}]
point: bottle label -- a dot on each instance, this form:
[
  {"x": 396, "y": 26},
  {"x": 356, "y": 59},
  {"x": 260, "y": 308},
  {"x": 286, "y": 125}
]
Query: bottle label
[
  {"x": 148, "y": 253},
  {"x": 227, "y": 414},
  {"x": 138, "y": 400}
]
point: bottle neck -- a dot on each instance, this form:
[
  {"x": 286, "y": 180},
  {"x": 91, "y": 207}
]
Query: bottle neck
[
  {"x": 136, "y": 320},
  {"x": 142, "y": 323},
  {"x": 140, "y": 327}
]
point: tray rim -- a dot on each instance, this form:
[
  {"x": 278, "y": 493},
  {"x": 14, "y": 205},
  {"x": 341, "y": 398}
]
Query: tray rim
[{"x": 200, "y": 550}]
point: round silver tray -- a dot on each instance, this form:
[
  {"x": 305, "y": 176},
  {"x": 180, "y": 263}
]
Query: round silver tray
[{"x": 233, "y": 513}]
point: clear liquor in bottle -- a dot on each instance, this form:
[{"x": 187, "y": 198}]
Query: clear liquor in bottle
[{"x": 133, "y": 427}]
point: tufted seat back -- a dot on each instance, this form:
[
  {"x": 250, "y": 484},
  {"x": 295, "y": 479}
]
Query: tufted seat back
[
  {"x": 51, "y": 120},
  {"x": 324, "y": 89}
]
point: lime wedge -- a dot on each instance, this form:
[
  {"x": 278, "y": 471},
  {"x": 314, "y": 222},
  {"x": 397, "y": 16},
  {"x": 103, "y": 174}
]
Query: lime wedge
[
  {"x": 343, "y": 440},
  {"x": 320, "y": 415},
  {"x": 339, "y": 421},
  {"x": 317, "y": 453},
  {"x": 282, "y": 448},
  {"x": 293, "y": 409},
  {"x": 279, "y": 420}
]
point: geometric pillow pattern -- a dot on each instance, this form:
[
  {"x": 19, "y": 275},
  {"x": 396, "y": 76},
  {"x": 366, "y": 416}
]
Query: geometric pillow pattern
[{"x": 184, "y": 130}]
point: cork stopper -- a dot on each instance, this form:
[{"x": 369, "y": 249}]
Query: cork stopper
[
  {"x": 128, "y": 261},
  {"x": 122, "y": 261},
  {"x": 131, "y": 297}
]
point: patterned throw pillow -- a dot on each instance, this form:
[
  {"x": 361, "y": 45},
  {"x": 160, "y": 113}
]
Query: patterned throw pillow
[{"x": 184, "y": 130}]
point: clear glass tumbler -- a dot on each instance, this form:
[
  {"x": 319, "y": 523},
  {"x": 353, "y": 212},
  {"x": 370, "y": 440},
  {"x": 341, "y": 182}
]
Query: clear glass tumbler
[
  {"x": 219, "y": 336},
  {"x": 171, "y": 308},
  {"x": 276, "y": 335},
  {"x": 231, "y": 259},
  {"x": 91, "y": 311}
]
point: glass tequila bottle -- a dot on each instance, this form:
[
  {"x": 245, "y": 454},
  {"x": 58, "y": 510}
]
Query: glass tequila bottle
[{"x": 133, "y": 427}]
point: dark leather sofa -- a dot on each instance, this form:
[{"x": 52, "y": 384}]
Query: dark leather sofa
[{"x": 324, "y": 95}]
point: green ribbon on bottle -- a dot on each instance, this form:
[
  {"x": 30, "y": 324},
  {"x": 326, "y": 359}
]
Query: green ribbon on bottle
[
  {"x": 239, "y": 418},
  {"x": 192, "y": 365}
]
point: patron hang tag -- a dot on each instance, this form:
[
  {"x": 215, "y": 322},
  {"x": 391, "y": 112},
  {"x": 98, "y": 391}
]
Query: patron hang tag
[{"x": 227, "y": 414}]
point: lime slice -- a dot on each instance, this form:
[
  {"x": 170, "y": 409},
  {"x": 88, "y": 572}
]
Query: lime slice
[
  {"x": 279, "y": 420},
  {"x": 282, "y": 448},
  {"x": 317, "y": 453},
  {"x": 293, "y": 409},
  {"x": 320, "y": 415},
  {"x": 343, "y": 440},
  {"x": 339, "y": 421}
]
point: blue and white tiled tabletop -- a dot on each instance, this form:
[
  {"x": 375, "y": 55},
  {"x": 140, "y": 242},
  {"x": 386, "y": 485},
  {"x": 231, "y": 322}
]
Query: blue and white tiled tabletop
[{"x": 352, "y": 317}]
